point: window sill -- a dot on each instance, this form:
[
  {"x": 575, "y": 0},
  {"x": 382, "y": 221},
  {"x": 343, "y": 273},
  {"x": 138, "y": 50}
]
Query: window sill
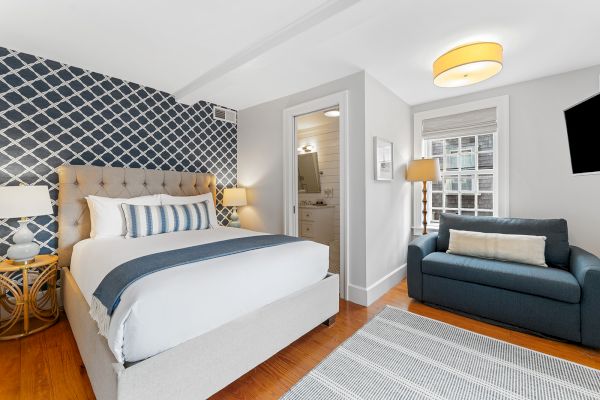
[{"x": 418, "y": 230}]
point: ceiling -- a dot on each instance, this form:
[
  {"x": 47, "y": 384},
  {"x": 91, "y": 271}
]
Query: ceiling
[
  {"x": 241, "y": 53},
  {"x": 315, "y": 119}
]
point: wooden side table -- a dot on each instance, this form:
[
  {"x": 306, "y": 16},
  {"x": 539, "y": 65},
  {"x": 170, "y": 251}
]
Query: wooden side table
[{"x": 28, "y": 300}]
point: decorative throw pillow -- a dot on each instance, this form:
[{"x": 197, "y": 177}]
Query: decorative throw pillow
[
  {"x": 106, "y": 215},
  {"x": 152, "y": 220},
  {"x": 166, "y": 199},
  {"x": 523, "y": 249}
]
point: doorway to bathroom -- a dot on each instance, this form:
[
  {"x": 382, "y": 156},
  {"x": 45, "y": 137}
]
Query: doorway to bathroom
[{"x": 315, "y": 186}]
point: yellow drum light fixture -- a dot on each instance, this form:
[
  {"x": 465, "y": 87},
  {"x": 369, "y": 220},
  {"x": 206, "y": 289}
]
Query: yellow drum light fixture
[{"x": 468, "y": 64}]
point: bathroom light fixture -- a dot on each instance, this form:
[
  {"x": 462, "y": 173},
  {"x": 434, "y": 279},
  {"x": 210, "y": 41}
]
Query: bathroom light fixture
[
  {"x": 468, "y": 64},
  {"x": 332, "y": 113},
  {"x": 307, "y": 148}
]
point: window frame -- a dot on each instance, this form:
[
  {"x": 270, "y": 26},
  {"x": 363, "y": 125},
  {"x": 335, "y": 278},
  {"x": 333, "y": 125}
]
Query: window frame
[{"x": 500, "y": 156}]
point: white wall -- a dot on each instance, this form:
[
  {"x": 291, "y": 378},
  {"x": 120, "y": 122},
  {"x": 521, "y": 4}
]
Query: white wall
[
  {"x": 541, "y": 182},
  {"x": 388, "y": 204},
  {"x": 260, "y": 164}
]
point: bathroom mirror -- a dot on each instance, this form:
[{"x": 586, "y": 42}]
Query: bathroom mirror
[{"x": 308, "y": 173}]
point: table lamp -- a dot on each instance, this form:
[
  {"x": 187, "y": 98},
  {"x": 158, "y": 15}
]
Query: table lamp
[
  {"x": 22, "y": 202},
  {"x": 424, "y": 170},
  {"x": 234, "y": 197}
]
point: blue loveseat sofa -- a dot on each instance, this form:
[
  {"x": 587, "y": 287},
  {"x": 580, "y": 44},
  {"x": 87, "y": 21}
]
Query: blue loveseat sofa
[{"x": 562, "y": 300}]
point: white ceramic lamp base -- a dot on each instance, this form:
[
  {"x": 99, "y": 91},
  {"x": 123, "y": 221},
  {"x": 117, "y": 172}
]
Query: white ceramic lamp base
[
  {"x": 234, "y": 219},
  {"x": 24, "y": 249}
]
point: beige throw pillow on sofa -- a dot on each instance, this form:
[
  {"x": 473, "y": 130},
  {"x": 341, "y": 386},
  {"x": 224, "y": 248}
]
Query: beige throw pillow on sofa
[{"x": 523, "y": 249}]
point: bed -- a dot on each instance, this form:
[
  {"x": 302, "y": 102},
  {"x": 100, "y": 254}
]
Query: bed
[{"x": 191, "y": 344}]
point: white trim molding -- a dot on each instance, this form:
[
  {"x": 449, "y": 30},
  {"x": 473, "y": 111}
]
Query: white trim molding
[
  {"x": 501, "y": 155},
  {"x": 367, "y": 296},
  {"x": 290, "y": 181}
]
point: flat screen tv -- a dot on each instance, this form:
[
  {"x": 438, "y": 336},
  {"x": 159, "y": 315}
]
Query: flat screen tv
[{"x": 583, "y": 130}]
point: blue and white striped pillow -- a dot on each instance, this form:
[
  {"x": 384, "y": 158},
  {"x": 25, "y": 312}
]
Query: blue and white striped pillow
[{"x": 152, "y": 220}]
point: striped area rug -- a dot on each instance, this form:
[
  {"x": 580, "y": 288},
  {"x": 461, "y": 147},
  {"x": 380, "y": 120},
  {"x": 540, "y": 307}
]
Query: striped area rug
[{"x": 401, "y": 355}]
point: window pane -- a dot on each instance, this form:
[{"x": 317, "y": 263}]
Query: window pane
[
  {"x": 486, "y": 142},
  {"x": 467, "y": 161},
  {"x": 486, "y": 182},
  {"x": 451, "y": 183},
  {"x": 468, "y": 176},
  {"x": 466, "y": 183},
  {"x": 436, "y": 200},
  {"x": 485, "y": 201},
  {"x": 485, "y": 214},
  {"x": 437, "y": 147},
  {"x": 451, "y": 146},
  {"x": 451, "y": 201},
  {"x": 467, "y": 201},
  {"x": 452, "y": 162},
  {"x": 441, "y": 161},
  {"x": 467, "y": 144},
  {"x": 486, "y": 160}
]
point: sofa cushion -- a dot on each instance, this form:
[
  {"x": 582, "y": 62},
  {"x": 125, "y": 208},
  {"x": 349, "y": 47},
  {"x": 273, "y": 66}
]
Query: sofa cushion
[
  {"x": 551, "y": 283},
  {"x": 557, "y": 238}
]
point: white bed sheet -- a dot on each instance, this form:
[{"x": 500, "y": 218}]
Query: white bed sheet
[{"x": 169, "y": 307}]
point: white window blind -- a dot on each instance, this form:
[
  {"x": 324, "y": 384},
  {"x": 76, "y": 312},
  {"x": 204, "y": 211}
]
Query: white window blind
[{"x": 469, "y": 123}]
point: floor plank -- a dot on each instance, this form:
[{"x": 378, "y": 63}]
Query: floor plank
[
  {"x": 10, "y": 365},
  {"x": 47, "y": 365}
]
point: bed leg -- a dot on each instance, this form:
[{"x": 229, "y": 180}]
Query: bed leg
[{"x": 330, "y": 321}]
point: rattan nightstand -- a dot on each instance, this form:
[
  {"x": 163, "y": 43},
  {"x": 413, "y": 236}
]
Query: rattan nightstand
[{"x": 28, "y": 301}]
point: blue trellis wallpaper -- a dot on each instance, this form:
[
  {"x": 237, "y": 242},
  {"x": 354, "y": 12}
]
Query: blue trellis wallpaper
[{"x": 52, "y": 114}]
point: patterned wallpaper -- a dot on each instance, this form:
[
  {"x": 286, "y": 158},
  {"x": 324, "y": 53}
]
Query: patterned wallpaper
[{"x": 52, "y": 114}]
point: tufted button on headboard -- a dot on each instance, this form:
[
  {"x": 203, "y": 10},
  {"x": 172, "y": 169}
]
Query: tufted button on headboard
[{"x": 75, "y": 182}]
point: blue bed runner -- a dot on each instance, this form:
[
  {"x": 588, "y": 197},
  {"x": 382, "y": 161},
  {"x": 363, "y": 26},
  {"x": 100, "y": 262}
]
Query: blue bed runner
[{"x": 107, "y": 296}]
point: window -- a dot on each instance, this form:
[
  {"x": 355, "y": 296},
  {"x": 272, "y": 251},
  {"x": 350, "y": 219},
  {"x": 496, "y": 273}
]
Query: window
[
  {"x": 468, "y": 176},
  {"x": 470, "y": 141}
]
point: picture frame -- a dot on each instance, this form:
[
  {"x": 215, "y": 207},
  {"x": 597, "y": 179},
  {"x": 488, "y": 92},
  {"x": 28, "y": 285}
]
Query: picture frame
[{"x": 383, "y": 156}]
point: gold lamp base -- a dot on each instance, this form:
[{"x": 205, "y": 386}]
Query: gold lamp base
[{"x": 424, "y": 207}]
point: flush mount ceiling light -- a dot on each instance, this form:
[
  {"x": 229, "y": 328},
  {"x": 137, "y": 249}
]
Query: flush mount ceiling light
[
  {"x": 468, "y": 64},
  {"x": 332, "y": 113}
]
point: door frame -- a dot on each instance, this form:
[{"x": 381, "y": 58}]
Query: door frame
[{"x": 290, "y": 173}]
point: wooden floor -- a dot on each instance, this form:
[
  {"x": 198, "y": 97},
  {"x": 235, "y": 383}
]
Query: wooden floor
[{"x": 47, "y": 365}]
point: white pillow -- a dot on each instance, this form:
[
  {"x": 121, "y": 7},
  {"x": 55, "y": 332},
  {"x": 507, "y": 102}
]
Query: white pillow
[
  {"x": 107, "y": 216},
  {"x": 523, "y": 249},
  {"x": 167, "y": 200}
]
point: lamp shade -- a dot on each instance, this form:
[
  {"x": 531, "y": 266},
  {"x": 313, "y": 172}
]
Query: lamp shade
[
  {"x": 423, "y": 170},
  {"x": 234, "y": 197},
  {"x": 24, "y": 201},
  {"x": 468, "y": 64}
]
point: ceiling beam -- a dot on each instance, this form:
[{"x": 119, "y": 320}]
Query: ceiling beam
[{"x": 298, "y": 26}]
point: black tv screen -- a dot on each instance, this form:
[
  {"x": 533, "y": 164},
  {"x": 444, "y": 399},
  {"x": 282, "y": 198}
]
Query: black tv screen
[{"x": 583, "y": 130}]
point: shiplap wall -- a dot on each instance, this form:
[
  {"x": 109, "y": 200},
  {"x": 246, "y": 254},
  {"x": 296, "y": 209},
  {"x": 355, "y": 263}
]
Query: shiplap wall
[{"x": 325, "y": 139}]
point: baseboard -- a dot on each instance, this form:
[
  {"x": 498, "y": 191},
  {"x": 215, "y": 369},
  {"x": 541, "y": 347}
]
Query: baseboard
[{"x": 366, "y": 296}]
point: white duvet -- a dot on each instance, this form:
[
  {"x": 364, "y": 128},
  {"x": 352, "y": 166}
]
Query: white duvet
[{"x": 172, "y": 306}]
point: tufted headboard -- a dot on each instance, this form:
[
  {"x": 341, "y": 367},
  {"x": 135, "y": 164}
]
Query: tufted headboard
[{"x": 75, "y": 182}]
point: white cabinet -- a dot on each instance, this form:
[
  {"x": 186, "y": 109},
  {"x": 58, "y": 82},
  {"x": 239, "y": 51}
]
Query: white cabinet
[{"x": 316, "y": 223}]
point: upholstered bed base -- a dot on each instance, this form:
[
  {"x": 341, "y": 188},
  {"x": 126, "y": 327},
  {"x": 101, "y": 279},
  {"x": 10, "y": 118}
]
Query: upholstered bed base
[{"x": 202, "y": 366}]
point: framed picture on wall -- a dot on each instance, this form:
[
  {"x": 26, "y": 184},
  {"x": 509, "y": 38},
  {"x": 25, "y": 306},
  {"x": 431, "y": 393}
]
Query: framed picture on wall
[{"x": 384, "y": 159}]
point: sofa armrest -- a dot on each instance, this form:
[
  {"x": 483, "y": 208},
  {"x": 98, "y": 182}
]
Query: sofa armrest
[
  {"x": 586, "y": 269},
  {"x": 418, "y": 249}
]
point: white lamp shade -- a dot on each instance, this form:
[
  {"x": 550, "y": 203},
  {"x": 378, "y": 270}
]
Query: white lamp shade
[
  {"x": 24, "y": 201},
  {"x": 234, "y": 197},
  {"x": 424, "y": 170}
]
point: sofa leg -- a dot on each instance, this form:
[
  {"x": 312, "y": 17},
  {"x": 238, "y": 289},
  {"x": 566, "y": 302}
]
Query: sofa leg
[{"x": 330, "y": 321}]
